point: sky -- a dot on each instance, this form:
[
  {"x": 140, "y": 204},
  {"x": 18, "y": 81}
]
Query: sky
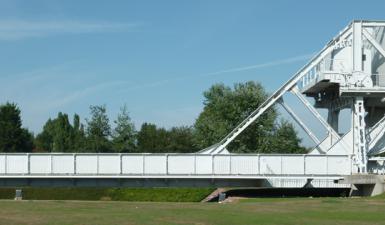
[{"x": 156, "y": 57}]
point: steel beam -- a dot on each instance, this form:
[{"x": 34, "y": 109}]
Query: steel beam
[
  {"x": 296, "y": 92},
  {"x": 376, "y": 45},
  {"x": 282, "y": 90},
  {"x": 301, "y": 124}
]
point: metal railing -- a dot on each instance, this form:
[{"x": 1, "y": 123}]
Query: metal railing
[
  {"x": 142, "y": 165},
  {"x": 331, "y": 66}
]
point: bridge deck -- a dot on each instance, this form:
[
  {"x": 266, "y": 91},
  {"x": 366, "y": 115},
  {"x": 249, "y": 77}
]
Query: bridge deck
[{"x": 173, "y": 165}]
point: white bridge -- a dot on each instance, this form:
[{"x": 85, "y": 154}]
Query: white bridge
[{"x": 348, "y": 73}]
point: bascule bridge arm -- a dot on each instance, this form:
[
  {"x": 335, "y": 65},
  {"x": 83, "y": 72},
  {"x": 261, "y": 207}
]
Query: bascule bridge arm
[{"x": 280, "y": 92}]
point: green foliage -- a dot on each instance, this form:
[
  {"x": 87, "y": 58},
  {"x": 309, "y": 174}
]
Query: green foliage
[
  {"x": 177, "y": 139},
  {"x": 59, "y": 135},
  {"x": 152, "y": 139},
  {"x": 181, "y": 140},
  {"x": 226, "y": 107},
  {"x": 98, "y": 130},
  {"x": 13, "y": 138},
  {"x": 124, "y": 135},
  {"x": 115, "y": 194},
  {"x": 285, "y": 139}
]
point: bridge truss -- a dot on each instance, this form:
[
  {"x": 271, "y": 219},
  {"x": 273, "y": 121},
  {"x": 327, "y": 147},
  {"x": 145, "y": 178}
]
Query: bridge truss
[{"x": 348, "y": 73}]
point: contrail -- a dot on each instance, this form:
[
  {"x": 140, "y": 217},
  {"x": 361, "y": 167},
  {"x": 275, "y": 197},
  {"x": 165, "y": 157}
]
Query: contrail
[
  {"x": 230, "y": 70},
  {"x": 262, "y": 65}
]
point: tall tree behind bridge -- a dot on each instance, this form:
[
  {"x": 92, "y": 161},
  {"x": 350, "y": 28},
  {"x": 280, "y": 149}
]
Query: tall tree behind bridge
[
  {"x": 124, "y": 134},
  {"x": 98, "y": 130},
  {"x": 13, "y": 138},
  {"x": 59, "y": 135},
  {"x": 225, "y": 108},
  {"x": 177, "y": 139}
]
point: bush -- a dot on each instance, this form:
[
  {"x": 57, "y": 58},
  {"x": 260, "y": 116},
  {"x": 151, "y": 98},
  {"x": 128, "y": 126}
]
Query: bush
[{"x": 115, "y": 194}]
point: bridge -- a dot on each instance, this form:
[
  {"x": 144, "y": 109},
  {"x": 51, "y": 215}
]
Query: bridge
[{"x": 348, "y": 73}]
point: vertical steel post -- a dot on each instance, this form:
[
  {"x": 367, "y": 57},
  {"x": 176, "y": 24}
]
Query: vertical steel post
[{"x": 360, "y": 144}]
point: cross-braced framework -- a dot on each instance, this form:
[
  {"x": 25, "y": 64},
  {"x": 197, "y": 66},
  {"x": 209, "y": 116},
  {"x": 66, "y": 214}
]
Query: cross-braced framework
[{"x": 348, "y": 73}]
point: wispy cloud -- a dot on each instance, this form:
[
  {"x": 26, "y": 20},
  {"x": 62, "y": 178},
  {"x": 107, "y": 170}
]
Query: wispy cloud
[
  {"x": 76, "y": 95},
  {"x": 225, "y": 71},
  {"x": 262, "y": 65},
  {"x": 23, "y": 29}
]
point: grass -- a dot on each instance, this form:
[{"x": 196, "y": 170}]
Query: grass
[
  {"x": 251, "y": 211},
  {"x": 114, "y": 194}
]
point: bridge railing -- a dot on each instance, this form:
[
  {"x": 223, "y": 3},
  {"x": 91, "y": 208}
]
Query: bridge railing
[{"x": 82, "y": 164}]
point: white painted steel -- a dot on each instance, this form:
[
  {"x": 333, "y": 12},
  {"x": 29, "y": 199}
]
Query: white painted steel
[
  {"x": 271, "y": 164},
  {"x": 221, "y": 164},
  {"x": 40, "y": 164},
  {"x": 203, "y": 164},
  {"x": 87, "y": 164},
  {"x": 155, "y": 164},
  {"x": 132, "y": 164},
  {"x": 316, "y": 164},
  {"x": 17, "y": 164},
  {"x": 241, "y": 164},
  {"x": 109, "y": 164},
  {"x": 57, "y": 164},
  {"x": 63, "y": 164},
  {"x": 181, "y": 164},
  {"x": 2, "y": 164},
  {"x": 293, "y": 165}
]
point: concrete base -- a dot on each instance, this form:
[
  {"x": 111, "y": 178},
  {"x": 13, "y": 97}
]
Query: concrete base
[{"x": 365, "y": 185}]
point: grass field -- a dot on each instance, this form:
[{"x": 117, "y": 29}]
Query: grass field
[{"x": 251, "y": 211}]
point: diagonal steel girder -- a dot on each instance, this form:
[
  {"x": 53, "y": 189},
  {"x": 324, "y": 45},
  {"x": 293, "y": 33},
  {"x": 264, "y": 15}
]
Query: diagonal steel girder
[
  {"x": 218, "y": 148},
  {"x": 373, "y": 41},
  {"x": 302, "y": 125},
  {"x": 335, "y": 136}
]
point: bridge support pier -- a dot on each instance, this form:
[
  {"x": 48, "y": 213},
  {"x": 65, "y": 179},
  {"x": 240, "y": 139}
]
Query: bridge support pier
[{"x": 365, "y": 185}]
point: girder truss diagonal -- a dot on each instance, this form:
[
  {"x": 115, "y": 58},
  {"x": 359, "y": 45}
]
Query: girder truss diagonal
[{"x": 288, "y": 86}]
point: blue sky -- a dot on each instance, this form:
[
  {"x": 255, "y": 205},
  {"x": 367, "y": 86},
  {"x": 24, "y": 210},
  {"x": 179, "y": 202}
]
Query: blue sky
[{"x": 157, "y": 57}]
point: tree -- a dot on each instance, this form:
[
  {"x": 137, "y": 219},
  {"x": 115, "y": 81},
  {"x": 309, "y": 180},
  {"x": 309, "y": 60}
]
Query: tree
[
  {"x": 124, "y": 135},
  {"x": 13, "y": 138},
  {"x": 225, "y": 108},
  {"x": 285, "y": 139},
  {"x": 181, "y": 140},
  {"x": 151, "y": 139},
  {"x": 59, "y": 135},
  {"x": 79, "y": 141},
  {"x": 98, "y": 130}
]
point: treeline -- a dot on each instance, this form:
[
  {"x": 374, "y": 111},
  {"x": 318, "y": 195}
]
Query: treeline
[{"x": 224, "y": 108}]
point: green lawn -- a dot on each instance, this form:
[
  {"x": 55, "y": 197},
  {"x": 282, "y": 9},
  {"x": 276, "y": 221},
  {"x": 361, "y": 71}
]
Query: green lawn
[{"x": 252, "y": 211}]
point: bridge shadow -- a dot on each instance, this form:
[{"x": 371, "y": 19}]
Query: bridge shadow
[{"x": 285, "y": 192}]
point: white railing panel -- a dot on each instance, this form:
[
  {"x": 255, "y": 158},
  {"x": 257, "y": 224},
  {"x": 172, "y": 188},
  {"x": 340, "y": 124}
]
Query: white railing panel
[
  {"x": 87, "y": 164},
  {"x": 2, "y": 164},
  {"x": 241, "y": 164},
  {"x": 155, "y": 164},
  {"x": 315, "y": 164},
  {"x": 203, "y": 164},
  {"x": 40, "y": 164},
  {"x": 181, "y": 164},
  {"x": 221, "y": 164},
  {"x": 270, "y": 164},
  {"x": 132, "y": 164},
  {"x": 109, "y": 164},
  {"x": 339, "y": 165},
  {"x": 63, "y": 164},
  {"x": 17, "y": 164},
  {"x": 293, "y": 165}
]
